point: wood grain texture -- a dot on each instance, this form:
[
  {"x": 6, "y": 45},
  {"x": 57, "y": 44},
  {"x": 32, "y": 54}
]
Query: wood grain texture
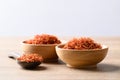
[{"x": 108, "y": 69}]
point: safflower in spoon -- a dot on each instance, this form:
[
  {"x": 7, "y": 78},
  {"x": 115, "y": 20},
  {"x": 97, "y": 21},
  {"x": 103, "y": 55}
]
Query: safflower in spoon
[{"x": 27, "y": 61}]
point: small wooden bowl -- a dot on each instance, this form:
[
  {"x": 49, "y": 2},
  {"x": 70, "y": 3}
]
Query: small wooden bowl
[
  {"x": 81, "y": 58},
  {"x": 47, "y": 51}
]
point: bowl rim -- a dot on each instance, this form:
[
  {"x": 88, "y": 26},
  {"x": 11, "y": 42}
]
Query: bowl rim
[
  {"x": 23, "y": 43},
  {"x": 58, "y": 47}
]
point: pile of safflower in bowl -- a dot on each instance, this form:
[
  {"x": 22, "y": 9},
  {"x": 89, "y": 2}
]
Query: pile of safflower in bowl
[
  {"x": 81, "y": 52},
  {"x": 44, "y": 45}
]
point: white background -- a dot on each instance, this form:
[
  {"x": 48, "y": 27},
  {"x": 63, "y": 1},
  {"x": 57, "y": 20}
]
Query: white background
[{"x": 60, "y": 17}]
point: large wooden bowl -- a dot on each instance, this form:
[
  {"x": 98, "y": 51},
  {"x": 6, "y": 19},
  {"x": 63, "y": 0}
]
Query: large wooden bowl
[
  {"x": 81, "y": 58},
  {"x": 47, "y": 51}
]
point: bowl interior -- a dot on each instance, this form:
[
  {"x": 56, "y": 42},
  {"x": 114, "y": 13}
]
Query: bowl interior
[{"x": 62, "y": 45}]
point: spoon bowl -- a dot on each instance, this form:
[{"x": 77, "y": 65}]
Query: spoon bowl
[
  {"x": 28, "y": 65},
  {"x": 23, "y": 64}
]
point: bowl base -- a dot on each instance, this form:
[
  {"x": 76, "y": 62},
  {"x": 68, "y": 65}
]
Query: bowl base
[{"x": 89, "y": 66}]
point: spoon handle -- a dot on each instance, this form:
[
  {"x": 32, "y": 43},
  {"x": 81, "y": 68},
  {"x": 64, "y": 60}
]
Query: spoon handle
[{"x": 14, "y": 55}]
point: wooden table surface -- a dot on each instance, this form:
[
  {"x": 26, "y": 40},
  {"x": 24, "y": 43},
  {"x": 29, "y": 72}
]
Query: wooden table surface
[{"x": 108, "y": 69}]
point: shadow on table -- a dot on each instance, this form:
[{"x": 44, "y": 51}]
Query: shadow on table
[
  {"x": 39, "y": 68},
  {"x": 104, "y": 68},
  {"x": 107, "y": 68},
  {"x": 58, "y": 62}
]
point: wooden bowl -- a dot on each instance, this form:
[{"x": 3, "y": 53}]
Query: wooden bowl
[
  {"x": 47, "y": 51},
  {"x": 81, "y": 58}
]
